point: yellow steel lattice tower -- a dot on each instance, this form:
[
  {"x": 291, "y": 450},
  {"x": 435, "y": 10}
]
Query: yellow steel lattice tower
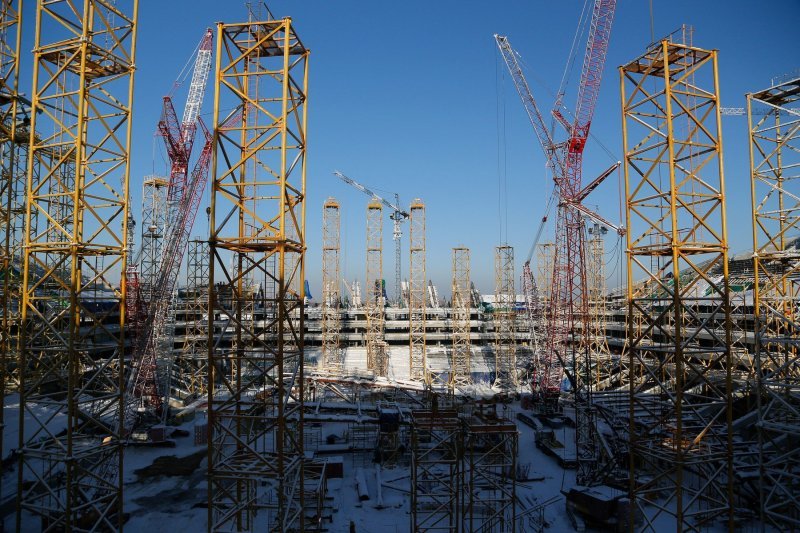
[
  {"x": 257, "y": 249},
  {"x": 417, "y": 291},
  {"x": 13, "y": 157},
  {"x": 73, "y": 342},
  {"x": 680, "y": 412},
  {"x": 461, "y": 372},
  {"x": 190, "y": 367},
  {"x": 332, "y": 352},
  {"x": 376, "y": 348},
  {"x": 775, "y": 158},
  {"x": 504, "y": 319}
]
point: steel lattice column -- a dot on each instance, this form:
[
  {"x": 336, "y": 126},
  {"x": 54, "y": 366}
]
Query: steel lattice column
[
  {"x": 461, "y": 373},
  {"x": 332, "y": 352},
  {"x": 417, "y": 291},
  {"x": 154, "y": 225},
  {"x": 376, "y": 347},
  {"x": 680, "y": 412},
  {"x": 435, "y": 471},
  {"x": 72, "y": 344},
  {"x": 504, "y": 320},
  {"x": 488, "y": 488},
  {"x": 190, "y": 368},
  {"x": 775, "y": 158},
  {"x": 13, "y": 157},
  {"x": 257, "y": 249},
  {"x": 596, "y": 289}
]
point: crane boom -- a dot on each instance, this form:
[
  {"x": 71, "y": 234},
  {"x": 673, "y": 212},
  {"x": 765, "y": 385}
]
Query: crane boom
[
  {"x": 368, "y": 192},
  {"x": 525, "y": 94}
]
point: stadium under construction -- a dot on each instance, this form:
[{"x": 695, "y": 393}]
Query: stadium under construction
[{"x": 156, "y": 378}]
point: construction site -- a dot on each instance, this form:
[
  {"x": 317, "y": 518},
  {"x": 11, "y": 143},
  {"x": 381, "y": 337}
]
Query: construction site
[{"x": 165, "y": 364}]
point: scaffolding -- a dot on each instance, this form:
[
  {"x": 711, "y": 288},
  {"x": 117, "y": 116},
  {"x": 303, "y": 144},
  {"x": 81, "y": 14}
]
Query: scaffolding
[
  {"x": 189, "y": 378},
  {"x": 376, "y": 349},
  {"x": 332, "y": 352},
  {"x": 680, "y": 413},
  {"x": 435, "y": 471},
  {"x": 545, "y": 255},
  {"x": 461, "y": 366},
  {"x": 504, "y": 320},
  {"x": 73, "y": 341},
  {"x": 596, "y": 289},
  {"x": 154, "y": 227},
  {"x": 417, "y": 290},
  {"x": 488, "y": 498},
  {"x": 13, "y": 162},
  {"x": 257, "y": 246},
  {"x": 775, "y": 158}
]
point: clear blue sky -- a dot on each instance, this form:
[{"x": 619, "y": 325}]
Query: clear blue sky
[{"x": 407, "y": 97}]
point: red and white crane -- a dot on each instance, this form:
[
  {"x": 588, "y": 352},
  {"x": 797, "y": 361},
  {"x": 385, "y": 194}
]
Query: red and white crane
[
  {"x": 185, "y": 190},
  {"x": 568, "y": 313}
]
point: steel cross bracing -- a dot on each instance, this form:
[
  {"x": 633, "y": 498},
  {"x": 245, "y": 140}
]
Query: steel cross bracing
[
  {"x": 332, "y": 359},
  {"x": 189, "y": 373},
  {"x": 504, "y": 318},
  {"x": 375, "y": 302},
  {"x": 13, "y": 164},
  {"x": 679, "y": 320},
  {"x": 461, "y": 366},
  {"x": 417, "y": 288},
  {"x": 256, "y": 281},
  {"x": 436, "y": 463},
  {"x": 73, "y": 306},
  {"x": 774, "y": 160}
]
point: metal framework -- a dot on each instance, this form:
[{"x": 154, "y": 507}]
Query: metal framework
[
  {"x": 13, "y": 158},
  {"x": 504, "y": 320},
  {"x": 376, "y": 352},
  {"x": 488, "y": 494},
  {"x": 461, "y": 364},
  {"x": 255, "y": 398},
  {"x": 544, "y": 271},
  {"x": 435, "y": 471},
  {"x": 72, "y": 342},
  {"x": 417, "y": 290},
  {"x": 332, "y": 353},
  {"x": 775, "y": 159},
  {"x": 596, "y": 290},
  {"x": 154, "y": 226},
  {"x": 189, "y": 370},
  {"x": 680, "y": 390}
]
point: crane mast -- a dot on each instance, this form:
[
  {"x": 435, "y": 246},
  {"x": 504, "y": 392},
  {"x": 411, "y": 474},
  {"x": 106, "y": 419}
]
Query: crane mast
[
  {"x": 568, "y": 312},
  {"x": 146, "y": 387}
]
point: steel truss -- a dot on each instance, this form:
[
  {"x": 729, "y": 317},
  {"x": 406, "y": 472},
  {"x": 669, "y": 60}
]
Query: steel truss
[
  {"x": 488, "y": 489},
  {"x": 604, "y": 365},
  {"x": 461, "y": 365},
  {"x": 257, "y": 248},
  {"x": 377, "y": 359},
  {"x": 435, "y": 471},
  {"x": 417, "y": 290},
  {"x": 332, "y": 359},
  {"x": 72, "y": 342},
  {"x": 504, "y": 320},
  {"x": 189, "y": 371},
  {"x": 775, "y": 159},
  {"x": 681, "y": 393},
  {"x": 13, "y": 163},
  {"x": 154, "y": 226}
]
